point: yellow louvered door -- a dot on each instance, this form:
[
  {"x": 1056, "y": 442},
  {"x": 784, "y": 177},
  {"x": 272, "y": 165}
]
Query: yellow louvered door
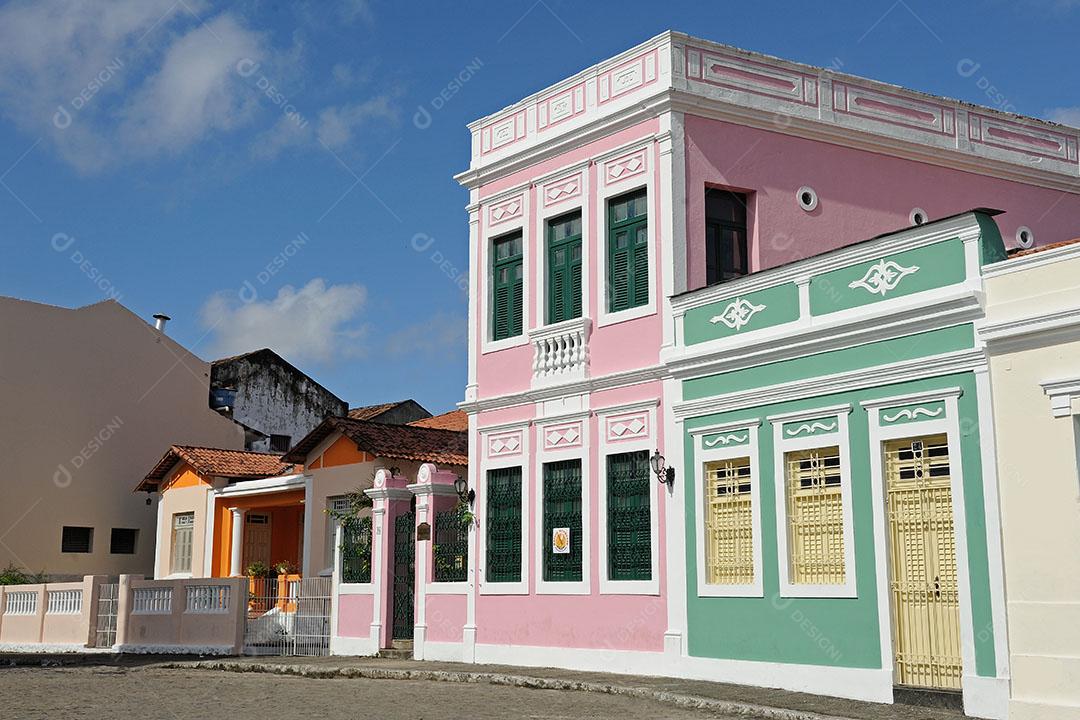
[{"x": 926, "y": 609}]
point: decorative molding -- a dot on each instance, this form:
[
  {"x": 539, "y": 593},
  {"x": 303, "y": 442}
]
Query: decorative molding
[
  {"x": 1032, "y": 260},
  {"x": 912, "y": 398},
  {"x": 711, "y": 441},
  {"x": 1061, "y": 394},
  {"x": 1009, "y": 333},
  {"x": 815, "y": 427},
  {"x": 504, "y": 444},
  {"x": 737, "y": 314},
  {"x": 626, "y": 167},
  {"x": 627, "y": 427},
  {"x": 563, "y": 189},
  {"x": 883, "y": 276},
  {"x": 916, "y": 369},
  {"x": 560, "y": 437},
  {"x": 506, "y": 210}
]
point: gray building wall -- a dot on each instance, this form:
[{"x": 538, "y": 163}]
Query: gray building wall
[{"x": 273, "y": 397}]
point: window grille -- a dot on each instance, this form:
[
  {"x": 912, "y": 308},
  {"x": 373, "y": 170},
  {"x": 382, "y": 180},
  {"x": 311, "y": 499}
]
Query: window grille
[
  {"x": 451, "y": 547},
  {"x": 629, "y": 521},
  {"x": 729, "y": 523},
  {"x": 815, "y": 509},
  {"x": 504, "y": 525},
  {"x": 356, "y": 550},
  {"x": 562, "y": 509}
]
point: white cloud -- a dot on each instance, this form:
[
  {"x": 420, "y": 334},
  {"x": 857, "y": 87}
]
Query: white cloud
[
  {"x": 106, "y": 82},
  {"x": 196, "y": 91},
  {"x": 1065, "y": 115},
  {"x": 337, "y": 124},
  {"x": 315, "y": 323},
  {"x": 443, "y": 332}
]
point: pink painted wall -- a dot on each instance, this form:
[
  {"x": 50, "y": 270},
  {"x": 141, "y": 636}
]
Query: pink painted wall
[
  {"x": 445, "y": 617},
  {"x": 861, "y": 194},
  {"x": 617, "y": 622},
  {"x": 623, "y": 346},
  {"x": 354, "y": 615}
]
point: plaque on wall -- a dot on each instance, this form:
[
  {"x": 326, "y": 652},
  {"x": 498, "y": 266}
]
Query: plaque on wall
[{"x": 423, "y": 532}]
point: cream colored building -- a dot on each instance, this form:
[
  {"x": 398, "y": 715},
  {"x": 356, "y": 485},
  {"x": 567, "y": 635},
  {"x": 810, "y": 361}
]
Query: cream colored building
[
  {"x": 92, "y": 396},
  {"x": 1033, "y": 334}
]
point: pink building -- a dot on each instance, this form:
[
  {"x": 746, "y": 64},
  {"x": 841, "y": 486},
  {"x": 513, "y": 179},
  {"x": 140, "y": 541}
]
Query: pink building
[{"x": 649, "y": 245}]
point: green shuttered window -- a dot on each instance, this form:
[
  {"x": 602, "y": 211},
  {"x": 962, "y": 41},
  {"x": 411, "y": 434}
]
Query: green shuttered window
[
  {"x": 629, "y": 523},
  {"x": 507, "y": 288},
  {"x": 628, "y": 252},
  {"x": 564, "y": 268},
  {"x": 562, "y": 510},
  {"x": 504, "y": 525}
]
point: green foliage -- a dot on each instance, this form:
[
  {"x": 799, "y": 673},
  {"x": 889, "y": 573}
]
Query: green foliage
[
  {"x": 15, "y": 575},
  {"x": 259, "y": 569}
]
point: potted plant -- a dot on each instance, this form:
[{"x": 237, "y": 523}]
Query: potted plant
[{"x": 284, "y": 567}]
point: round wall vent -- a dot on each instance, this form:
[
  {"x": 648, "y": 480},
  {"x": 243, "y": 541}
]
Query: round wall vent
[
  {"x": 807, "y": 198},
  {"x": 1024, "y": 237},
  {"x": 918, "y": 216}
]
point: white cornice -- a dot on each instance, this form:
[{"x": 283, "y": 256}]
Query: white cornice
[
  {"x": 809, "y": 414},
  {"x": 917, "y": 369},
  {"x": 579, "y": 387},
  {"x": 673, "y": 91},
  {"x": 1034, "y": 260},
  {"x": 790, "y": 341},
  {"x": 1008, "y": 335},
  {"x": 913, "y": 398},
  {"x": 263, "y": 486},
  {"x": 1061, "y": 394}
]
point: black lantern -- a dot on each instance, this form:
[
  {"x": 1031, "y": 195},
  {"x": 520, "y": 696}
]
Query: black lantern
[
  {"x": 664, "y": 474},
  {"x": 464, "y": 492}
]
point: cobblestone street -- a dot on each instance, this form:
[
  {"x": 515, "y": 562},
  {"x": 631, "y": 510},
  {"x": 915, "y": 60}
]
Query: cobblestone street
[{"x": 111, "y": 692}]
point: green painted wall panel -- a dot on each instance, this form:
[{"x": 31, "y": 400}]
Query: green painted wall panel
[
  {"x": 928, "y": 267},
  {"x": 761, "y": 309},
  {"x": 883, "y": 352},
  {"x": 842, "y": 632}
]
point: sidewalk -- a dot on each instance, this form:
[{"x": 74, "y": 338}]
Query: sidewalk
[{"x": 735, "y": 700}]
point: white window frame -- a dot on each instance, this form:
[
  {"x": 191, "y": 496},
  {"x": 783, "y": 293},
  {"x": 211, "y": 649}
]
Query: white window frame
[
  {"x": 542, "y": 457},
  {"x": 605, "y": 192},
  {"x": 173, "y": 570},
  {"x": 330, "y": 531},
  {"x": 488, "y": 236},
  {"x": 521, "y": 460},
  {"x": 606, "y": 448},
  {"x": 557, "y": 209},
  {"x": 703, "y": 456},
  {"x": 782, "y": 446}
]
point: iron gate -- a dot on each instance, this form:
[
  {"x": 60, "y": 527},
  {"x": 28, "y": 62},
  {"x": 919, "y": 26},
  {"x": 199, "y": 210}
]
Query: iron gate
[
  {"x": 108, "y": 602},
  {"x": 404, "y": 574},
  {"x": 288, "y": 615}
]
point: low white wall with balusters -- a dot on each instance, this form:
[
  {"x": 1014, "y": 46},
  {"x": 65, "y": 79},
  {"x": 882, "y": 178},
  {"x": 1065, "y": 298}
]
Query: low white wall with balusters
[
  {"x": 203, "y": 616},
  {"x": 197, "y": 616},
  {"x": 54, "y": 614}
]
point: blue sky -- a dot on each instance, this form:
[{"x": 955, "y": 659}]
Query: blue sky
[{"x": 257, "y": 170}]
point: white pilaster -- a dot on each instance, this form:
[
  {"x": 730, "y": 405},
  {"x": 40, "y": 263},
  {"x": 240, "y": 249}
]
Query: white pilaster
[{"x": 237, "y": 547}]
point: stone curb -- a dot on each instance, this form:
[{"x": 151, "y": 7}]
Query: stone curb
[{"x": 729, "y": 707}]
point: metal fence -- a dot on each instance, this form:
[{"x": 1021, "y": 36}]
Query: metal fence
[
  {"x": 288, "y": 615},
  {"x": 108, "y": 604}
]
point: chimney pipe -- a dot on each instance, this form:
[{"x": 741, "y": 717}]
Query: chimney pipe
[{"x": 160, "y": 320}]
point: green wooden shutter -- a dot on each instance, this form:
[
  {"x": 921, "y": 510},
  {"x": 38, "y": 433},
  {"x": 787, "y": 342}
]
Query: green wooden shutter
[
  {"x": 564, "y": 268},
  {"x": 507, "y": 296},
  {"x": 628, "y": 252},
  {"x": 504, "y": 525},
  {"x": 562, "y": 509},
  {"x": 629, "y": 522}
]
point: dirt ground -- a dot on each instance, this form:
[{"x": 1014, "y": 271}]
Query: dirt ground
[{"x": 153, "y": 693}]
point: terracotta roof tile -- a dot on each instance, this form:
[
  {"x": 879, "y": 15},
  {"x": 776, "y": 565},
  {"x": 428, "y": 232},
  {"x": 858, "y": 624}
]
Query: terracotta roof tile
[
  {"x": 218, "y": 462},
  {"x": 368, "y": 412},
  {"x": 1041, "y": 248},
  {"x": 453, "y": 420},
  {"x": 401, "y": 442}
]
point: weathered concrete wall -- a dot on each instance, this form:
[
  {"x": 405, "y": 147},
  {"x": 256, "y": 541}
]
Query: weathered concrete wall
[{"x": 274, "y": 397}]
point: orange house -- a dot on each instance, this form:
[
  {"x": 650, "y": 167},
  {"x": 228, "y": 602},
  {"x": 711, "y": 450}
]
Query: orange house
[{"x": 223, "y": 510}]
